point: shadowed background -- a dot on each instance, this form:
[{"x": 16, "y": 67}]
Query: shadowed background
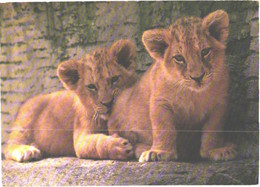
[{"x": 36, "y": 37}]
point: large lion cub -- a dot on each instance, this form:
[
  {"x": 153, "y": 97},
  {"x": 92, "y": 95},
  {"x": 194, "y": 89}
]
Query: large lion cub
[
  {"x": 178, "y": 107},
  {"x": 73, "y": 122}
]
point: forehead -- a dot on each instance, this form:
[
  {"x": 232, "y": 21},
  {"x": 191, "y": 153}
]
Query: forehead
[
  {"x": 187, "y": 31},
  {"x": 101, "y": 65}
]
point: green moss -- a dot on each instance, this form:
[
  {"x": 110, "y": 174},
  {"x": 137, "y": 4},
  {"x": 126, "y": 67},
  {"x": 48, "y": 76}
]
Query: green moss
[{"x": 11, "y": 62}]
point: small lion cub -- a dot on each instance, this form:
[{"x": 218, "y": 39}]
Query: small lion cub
[
  {"x": 72, "y": 122},
  {"x": 179, "y": 105}
]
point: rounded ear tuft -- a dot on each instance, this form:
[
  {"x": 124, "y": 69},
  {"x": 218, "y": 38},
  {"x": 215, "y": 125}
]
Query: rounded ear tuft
[
  {"x": 68, "y": 74},
  {"x": 216, "y": 25},
  {"x": 125, "y": 53},
  {"x": 156, "y": 42}
]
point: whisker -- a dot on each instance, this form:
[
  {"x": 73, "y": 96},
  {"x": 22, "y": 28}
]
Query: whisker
[
  {"x": 209, "y": 75},
  {"x": 97, "y": 116},
  {"x": 94, "y": 118}
]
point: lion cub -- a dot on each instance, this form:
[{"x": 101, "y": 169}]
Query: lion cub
[
  {"x": 73, "y": 122},
  {"x": 178, "y": 107}
]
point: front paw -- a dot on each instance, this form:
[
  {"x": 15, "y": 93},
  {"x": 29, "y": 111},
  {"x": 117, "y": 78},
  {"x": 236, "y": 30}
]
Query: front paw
[
  {"x": 120, "y": 149},
  {"x": 228, "y": 152},
  {"x": 24, "y": 153},
  {"x": 157, "y": 155}
]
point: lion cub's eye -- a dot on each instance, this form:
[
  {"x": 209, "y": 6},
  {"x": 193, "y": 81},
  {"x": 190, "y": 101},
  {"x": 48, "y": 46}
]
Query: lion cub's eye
[
  {"x": 179, "y": 59},
  {"x": 92, "y": 87},
  {"x": 114, "y": 79},
  {"x": 205, "y": 52}
]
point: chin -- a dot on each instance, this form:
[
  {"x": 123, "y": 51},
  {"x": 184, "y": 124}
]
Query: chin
[
  {"x": 104, "y": 116},
  {"x": 198, "y": 87}
]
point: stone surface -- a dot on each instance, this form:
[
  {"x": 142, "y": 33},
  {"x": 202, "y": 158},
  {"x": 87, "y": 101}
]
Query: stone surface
[{"x": 75, "y": 172}]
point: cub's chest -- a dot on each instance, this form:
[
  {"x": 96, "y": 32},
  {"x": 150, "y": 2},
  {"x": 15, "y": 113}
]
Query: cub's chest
[{"x": 193, "y": 107}]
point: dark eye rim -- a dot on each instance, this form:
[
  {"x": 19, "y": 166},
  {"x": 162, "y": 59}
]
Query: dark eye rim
[
  {"x": 206, "y": 51},
  {"x": 91, "y": 87},
  {"x": 179, "y": 58},
  {"x": 115, "y": 79}
]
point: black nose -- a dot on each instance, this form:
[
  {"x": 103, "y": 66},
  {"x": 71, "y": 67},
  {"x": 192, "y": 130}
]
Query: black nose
[
  {"x": 198, "y": 79},
  {"x": 108, "y": 104}
]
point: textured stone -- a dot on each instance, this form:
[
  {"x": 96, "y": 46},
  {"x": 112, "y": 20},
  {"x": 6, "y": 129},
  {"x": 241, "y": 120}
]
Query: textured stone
[
  {"x": 77, "y": 172},
  {"x": 252, "y": 90},
  {"x": 252, "y": 63},
  {"x": 254, "y": 31},
  {"x": 254, "y": 45},
  {"x": 244, "y": 31},
  {"x": 16, "y": 86},
  {"x": 252, "y": 112},
  {"x": 252, "y": 14}
]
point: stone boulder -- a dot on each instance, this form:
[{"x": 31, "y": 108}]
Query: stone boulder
[{"x": 77, "y": 172}]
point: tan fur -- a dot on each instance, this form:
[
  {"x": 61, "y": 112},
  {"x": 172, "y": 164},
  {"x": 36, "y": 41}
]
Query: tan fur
[
  {"x": 177, "y": 109},
  {"x": 73, "y": 122}
]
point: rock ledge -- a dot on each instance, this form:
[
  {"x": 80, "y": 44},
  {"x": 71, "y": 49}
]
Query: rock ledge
[{"x": 72, "y": 171}]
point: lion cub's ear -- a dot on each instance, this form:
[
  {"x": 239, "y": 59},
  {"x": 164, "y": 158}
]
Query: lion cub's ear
[
  {"x": 216, "y": 25},
  {"x": 125, "y": 53},
  {"x": 156, "y": 42},
  {"x": 68, "y": 74}
]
